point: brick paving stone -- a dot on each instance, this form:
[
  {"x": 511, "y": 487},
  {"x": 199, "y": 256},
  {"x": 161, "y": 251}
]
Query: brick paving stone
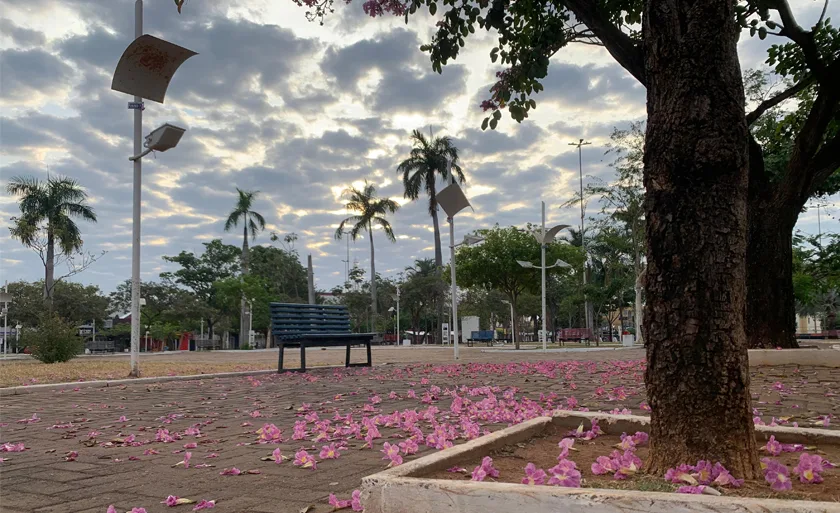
[{"x": 36, "y": 480}]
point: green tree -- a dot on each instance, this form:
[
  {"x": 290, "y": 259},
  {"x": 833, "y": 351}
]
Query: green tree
[
  {"x": 229, "y": 291},
  {"x": 166, "y": 303},
  {"x": 53, "y": 340},
  {"x": 370, "y": 212},
  {"x": 252, "y": 223},
  {"x": 73, "y": 302},
  {"x": 420, "y": 293},
  {"x": 780, "y": 185},
  {"x": 493, "y": 263},
  {"x": 48, "y": 210},
  {"x": 199, "y": 273},
  {"x": 282, "y": 271}
]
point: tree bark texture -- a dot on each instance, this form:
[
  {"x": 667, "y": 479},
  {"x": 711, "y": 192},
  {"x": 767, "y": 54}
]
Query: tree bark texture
[
  {"x": 695, "y": 174},
  {"x": 374, "y": 306},
  {"x": 771, "y": 309}
]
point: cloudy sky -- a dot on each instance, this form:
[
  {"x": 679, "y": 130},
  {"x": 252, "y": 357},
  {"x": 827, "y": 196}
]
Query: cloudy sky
[{"x": 296, "y": 110}]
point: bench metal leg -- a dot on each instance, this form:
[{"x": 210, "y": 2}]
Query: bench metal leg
[
  {"x": 280, "y": 358},
  {"x": 369, "y": 363},
  {"x": 303, "y": 356},
  {"x": 347, "y": 359}
]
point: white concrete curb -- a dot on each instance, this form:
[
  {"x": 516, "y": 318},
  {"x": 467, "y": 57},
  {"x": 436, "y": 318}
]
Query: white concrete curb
[
  {"x": 9, "y": 391},
  {"x": 396, "y": 490}
]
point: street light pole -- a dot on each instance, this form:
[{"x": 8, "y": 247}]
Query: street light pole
[
  {"x": 135, "y": 227},
  {"x": 454, "y": 286},
  {"x": 398, "y": 315},
  {"x": 587, "y": 306},
  {"x": 543, "y": 336}
]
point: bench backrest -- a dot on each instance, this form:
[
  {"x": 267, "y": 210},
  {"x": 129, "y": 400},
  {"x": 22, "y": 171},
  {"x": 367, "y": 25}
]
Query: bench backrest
[
  {"x": 482, "y": 335},
  {"x": 293, "y": 318}
]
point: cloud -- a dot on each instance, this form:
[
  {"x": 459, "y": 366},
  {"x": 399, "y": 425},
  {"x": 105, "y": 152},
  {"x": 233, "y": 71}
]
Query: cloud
[
  {"x": 23, "y": 72},
  {"x": 21, "y": 36}
]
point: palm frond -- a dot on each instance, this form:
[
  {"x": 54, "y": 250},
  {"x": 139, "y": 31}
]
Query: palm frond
[
  {"x": 84, "y": 211},
  {"x": 386, "y": 227}
]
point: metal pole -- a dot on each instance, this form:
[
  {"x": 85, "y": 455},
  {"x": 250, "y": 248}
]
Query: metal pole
[
  {"x": 512, "y": 327},
  {"x": 587, "y": 306},
  {"x": 135, "y": 232},
  {"x": 542, "y": 270},
  {"x": 399, "y": 342},
  {"x": 454, "y": 287},
  {"x": 310, "y": 280}
]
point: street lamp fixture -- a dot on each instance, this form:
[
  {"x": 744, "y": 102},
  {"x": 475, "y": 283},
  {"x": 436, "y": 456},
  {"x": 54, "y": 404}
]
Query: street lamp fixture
[
  {"x": 452, "y": 200},
  {"x": 144, "y": 71},
  {"x": 544, "y": 237}
]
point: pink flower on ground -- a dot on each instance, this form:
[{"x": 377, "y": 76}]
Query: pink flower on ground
[
  {"x": 722, "y": 477},
  {"x": 409, "y": 446},
  {"x": 122, "y": 419},
  {"x": 191, "y": 445},
  {"x": 533, "y": 475},
  {"x": 338, "y": 504},
  {"x": 270, "y": 433},
  {"x": 478, "y": 473},
  {"x": 565, "y": 473},
  {"x": 392, "y": 452},
  {"x": 277, "y": 456},
  {"x": 304, "y": 460},
  {"x": 187, "y": 456},
  {"x": 565, "y": 445},
  {"x": 329, "y": 452},
  {"x": 809, "y": 468},
  {"x": 773, "y": 447},
  {"x": 150, "y": 452},
  {"x": 138, "y": 510},
  {"x": 10, "y": 447},
  {"x": 603, "y": 465},
  {"x": 233, "y": 471},
  {"x": 204, "y": 504},
  {"x": 776, "y": 474},
  {"x": 356, "y": 500},
  {"x": 392, "y": 395},
  {"x": 71, "y": 456},
  {"x": 171, "y": 501},
  {"x": 111, "y": 509},
  {"x": 680, "y": 475}
]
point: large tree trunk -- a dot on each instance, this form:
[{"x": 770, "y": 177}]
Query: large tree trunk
[
  {"x": 696, "y": 163},
  {"x": 49, "y": 268},
  {"x": 771, "y": 310},
  {"x": 374, "y": 306}
]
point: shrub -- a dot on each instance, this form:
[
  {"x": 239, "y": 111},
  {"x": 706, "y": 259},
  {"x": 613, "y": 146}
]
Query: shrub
[{"x": 53, "y": 340}]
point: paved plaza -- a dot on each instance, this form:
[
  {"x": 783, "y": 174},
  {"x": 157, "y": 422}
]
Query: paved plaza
[{"x": 126, "y": 459}]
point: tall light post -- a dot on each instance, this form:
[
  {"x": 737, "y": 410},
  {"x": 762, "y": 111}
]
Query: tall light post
[
  {"x": 452, "y": 200},
  {"x": 144, "y": 71},
  {"x": 544, "y": 237},
  {"x": 397, "y": 297},
  {"x": 587, "y": 307}
]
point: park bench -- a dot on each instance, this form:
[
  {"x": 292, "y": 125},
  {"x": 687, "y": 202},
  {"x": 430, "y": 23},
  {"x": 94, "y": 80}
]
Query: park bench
[
  {"x": 574, "y": 335},
  {"x": 298, "y": 325},
  {"x": 208, "y": 344},
  {"x": 101, "y": 346},
  {"x": 485, "y": 336}
]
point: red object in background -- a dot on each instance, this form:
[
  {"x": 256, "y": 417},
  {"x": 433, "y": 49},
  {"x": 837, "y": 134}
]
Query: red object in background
[{"x": 184, "y": 345}]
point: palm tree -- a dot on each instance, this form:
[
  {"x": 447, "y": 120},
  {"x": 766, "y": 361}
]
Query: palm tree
[
  {"x": 252, "y": 222},
  {"x": 370, "y": 211},
  {"x": 428, "y": 160},
  {"x": 54, "y": 202},
  {"x": 420, "y": 171}
]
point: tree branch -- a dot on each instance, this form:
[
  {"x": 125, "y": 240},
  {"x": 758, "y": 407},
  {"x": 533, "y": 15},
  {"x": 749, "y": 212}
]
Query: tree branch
[
  {"x": 768, "y": 104},
  {"x": 826, "y": 162},
  {"x": 628, "y": 54},
  {"x": 803, "y": 38}
]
